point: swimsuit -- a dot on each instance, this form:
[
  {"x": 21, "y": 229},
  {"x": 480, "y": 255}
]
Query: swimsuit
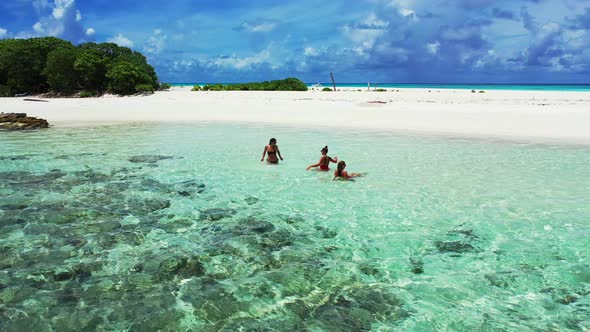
[
  {"x": 273, "y": 153},
  {"x": 325, "y": 167}
]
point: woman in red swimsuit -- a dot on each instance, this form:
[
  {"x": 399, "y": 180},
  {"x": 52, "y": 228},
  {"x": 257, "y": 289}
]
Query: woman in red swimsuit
[
  {"x": 324, "y": 162},
  {"x": 272, "y": 149}
]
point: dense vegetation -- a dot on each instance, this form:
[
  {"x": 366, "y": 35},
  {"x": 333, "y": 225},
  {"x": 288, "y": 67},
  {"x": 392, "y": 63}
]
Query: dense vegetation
[
  {"x": 288, "y": 84},
  {"x": 50, "y": 64}
]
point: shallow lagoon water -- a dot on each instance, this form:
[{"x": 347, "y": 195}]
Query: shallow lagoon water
[{"x": 180, "y": 227}]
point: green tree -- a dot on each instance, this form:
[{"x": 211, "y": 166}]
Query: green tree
[
  {"x": 61, "y": 76},
  {"x": 129, "y": 71},
  {"x": 22, "y": 62},
  {"x": 91, "y": 69}
]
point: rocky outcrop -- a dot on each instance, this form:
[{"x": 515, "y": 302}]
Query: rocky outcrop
[{"x": 20, "y": 121}]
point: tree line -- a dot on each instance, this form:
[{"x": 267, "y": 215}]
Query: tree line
[
  {"x": 287, "y": 84},
  {"x": 50, "y": 64}
]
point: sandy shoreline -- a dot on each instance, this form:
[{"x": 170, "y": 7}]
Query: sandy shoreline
[{"x": 537, "y": 116}]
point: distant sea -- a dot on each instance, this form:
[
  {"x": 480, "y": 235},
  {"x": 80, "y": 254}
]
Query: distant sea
[{"x": 517, "y": 87}]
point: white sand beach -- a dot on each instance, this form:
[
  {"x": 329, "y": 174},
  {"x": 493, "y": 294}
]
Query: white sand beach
[{"x": 537, "y": 116}]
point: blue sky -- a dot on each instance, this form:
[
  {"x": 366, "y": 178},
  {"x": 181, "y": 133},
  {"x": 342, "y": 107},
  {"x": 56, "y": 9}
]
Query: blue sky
[{"x": 405, "y": 41}]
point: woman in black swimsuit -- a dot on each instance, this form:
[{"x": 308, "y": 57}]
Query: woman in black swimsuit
[{"x": 272, "y": 149}]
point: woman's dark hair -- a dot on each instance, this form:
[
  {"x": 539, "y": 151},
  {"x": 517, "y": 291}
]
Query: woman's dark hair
[
  {"x": 325, "y": 148},
  {"x": 273, "y": 140},
  {"x": 340, "y": 168}
]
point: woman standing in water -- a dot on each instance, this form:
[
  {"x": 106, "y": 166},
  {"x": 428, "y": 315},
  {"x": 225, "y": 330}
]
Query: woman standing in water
[
  {"x": 272, "y": 149},
  {"x": 341, "y": 174},
  {"x": 324, "y": 162}
]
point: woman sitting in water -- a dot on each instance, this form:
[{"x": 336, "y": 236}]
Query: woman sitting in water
[
  {"x": 272, "y": 149},
  {"x": 341, "y": 174},
  {"x": 324, "y": 162}
]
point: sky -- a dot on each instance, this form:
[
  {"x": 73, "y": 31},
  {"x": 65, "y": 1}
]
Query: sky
[{"x": 388, "y": 41}]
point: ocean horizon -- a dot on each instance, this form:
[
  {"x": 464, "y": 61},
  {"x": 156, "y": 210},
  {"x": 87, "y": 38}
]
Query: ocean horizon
[{"x": 467, "y": 86}]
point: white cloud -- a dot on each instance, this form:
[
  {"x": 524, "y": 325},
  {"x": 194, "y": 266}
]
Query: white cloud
[
  {"x": 310, "y": 51},
  {"x": 61, "y": 6},
  {"x": 90, "y": 32},
  {"x": 156, "y": 42},
  {"x": 433, "y": 47},
  {"x": 40, "y": 5},
  {"x": 183, "y": 65},
  {"x": 243, "y": 63},
  {"x": 408, "y": 13},
  {"x": 58, "y": 18},
  {"x": 364, "y": 33},
  {"x": 264, "y": 27},
  {"x": 58, "y": 13},
  {"x": 257, "y": 27},
  {"x": 38, "y": 27},
  {"x": 3, "y": 33},
  {"x": 121, "y": 40}
]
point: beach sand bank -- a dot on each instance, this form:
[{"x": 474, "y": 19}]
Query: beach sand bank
[{"x": 537, "y": 116}]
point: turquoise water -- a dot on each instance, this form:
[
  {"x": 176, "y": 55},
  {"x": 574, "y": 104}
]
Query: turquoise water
[
  {"x": 181, "y": 228},
  {"x": 516, "y": 87}
]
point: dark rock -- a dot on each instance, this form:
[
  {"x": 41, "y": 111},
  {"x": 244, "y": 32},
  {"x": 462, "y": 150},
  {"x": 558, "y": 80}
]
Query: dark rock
[
  {"x": 211, "y": 300},
  {"x": 500, "y": 279},
  {"x": 299, "y": 307},
  {"x": 146, "y": 206},
  {"x": 152, "y": 184},
  {"x": 158, "y": 320},
  {"x": 453, "y": 246},
  {"x": 343, "y": 302},
  {"x": 326, "y": 233},
  {"x": 25, "y": 323},
  {"x": 293, "y": 219},
  {"x": 562, "y": 296},
  {"x": 64, "y": 275},
  {"x": 182, "y": 267},
  {"x": 70, "y": 294},
  {"x": 20, "y": 121},
  {"x": 369, "y": 269},
  {"x": 417, "y": 265},
  {"x": 138, "y": 267},
  {"x": 170, "y": 267},
  {"x": 148, "y": 158},
  {"x": 567, "y": 299},
  {"x": 6, "y": 116},
  {"x": 375, "y": 300},
  {"x": 253, "y": 226},
  {"x": 13, "y": 207},
  {"x": 287, "y": 324},
  {"x": 102, "y": 226},
  {"x": 336, "y": 318},
  {"x": 14, "y": 158},
  {"x": 187, "y": 188},
  {"x": 92, "y": 176},
  {"x": 216, "y": 214},
  {"x": 22, "y": 178},
  {"x": 276, "y": 240},
  {"x": 465, "y": 232},
  {"x": 251, "y": 200}
]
